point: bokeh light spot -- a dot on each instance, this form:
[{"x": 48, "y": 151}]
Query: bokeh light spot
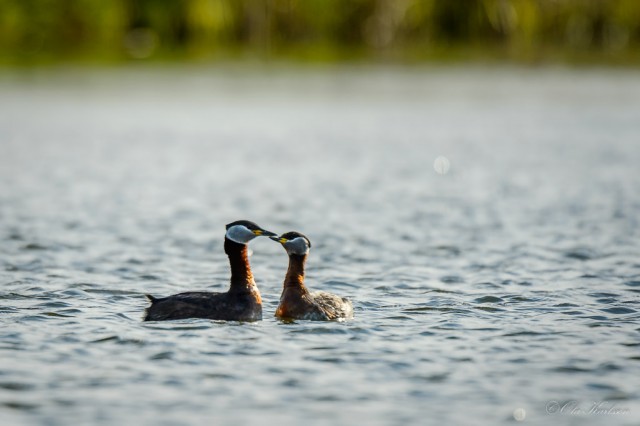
[
  {"x": 441, "y": 165},
  {"x": 519, "y": 414}
]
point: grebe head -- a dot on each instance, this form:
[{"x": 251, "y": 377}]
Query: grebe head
[
  {"x": 294, "y": 243},
  {"x": 243, "y": 231}
]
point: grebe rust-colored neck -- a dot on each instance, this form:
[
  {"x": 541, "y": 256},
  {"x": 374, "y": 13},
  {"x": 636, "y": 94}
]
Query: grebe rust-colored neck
[
  {"x": 295, "y": 273},
  {"x": 241, "y": 276}
]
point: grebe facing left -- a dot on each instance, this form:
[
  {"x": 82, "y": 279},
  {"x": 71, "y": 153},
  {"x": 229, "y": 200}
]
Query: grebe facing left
[
  {"x": 241, "y": 303},
  {"x": 296, "y": 302}
]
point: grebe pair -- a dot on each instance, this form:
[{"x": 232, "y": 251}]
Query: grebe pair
[{"x": 243, "y": 302}]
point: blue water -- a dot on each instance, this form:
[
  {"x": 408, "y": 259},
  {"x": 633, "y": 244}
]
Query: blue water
[{"x": 507, "y": 287}]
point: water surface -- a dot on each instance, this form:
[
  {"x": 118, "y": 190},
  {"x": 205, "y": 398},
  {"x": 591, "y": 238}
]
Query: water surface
[{"x": 510, "y": 283}]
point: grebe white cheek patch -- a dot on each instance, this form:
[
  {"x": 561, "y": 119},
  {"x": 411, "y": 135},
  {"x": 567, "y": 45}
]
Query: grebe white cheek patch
[{"x": 240, "y": 234}]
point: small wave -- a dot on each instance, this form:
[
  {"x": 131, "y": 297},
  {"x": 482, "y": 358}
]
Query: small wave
[
  {"x": 582, "y": 253},
  {"x": 488, "y": 299},
  {"x": 162, "y": 355},
  {"x": 489, "y": 309},
  {"x": 452, "y": 279},
  {"x": 16, "y": 386},
  {"x": 120, "y": 340},
  {"x": 22, "y": 406},
  {"x": 570, "y": 369},
  {"x": 34, "y": 246},
  {"x": 340, "y": 284},
  {"x": 619, "y": 310}
]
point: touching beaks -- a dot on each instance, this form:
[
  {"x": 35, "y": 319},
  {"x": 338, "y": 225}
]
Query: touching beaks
[
  {"x": 278, "y": 239},
  {"x": 264, "y": 233}
]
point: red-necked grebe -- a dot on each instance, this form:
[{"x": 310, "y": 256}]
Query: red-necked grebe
[
  {"x": 241, "y": 303},
  {"x": 296, "y": 302}
]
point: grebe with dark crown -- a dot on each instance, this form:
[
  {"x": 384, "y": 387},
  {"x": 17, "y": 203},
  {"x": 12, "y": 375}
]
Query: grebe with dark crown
[
  {"x": 296, "y": 302},
  {"x": 241, "y": 303}
]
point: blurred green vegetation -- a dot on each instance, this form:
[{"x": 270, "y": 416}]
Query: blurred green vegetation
[{"x": 530, "y": 31}]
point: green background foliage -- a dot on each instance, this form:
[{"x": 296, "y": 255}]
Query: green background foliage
[{"x": 40, "y": 31}]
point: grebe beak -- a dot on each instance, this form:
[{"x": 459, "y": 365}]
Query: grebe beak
[
  {"x": 264, "y": 233},
  {"x": 279, "y": 240}
]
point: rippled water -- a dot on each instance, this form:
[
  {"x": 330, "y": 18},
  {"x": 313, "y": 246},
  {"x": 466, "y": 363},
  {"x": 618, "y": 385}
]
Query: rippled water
[{"x": 508, "y": 285}]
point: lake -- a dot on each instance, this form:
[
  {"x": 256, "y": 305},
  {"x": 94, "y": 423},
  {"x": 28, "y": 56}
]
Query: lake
[{"x": 484, "y": 221}]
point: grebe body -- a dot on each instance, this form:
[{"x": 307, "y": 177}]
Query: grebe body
[
  {"x": 241, "y": 303},
  {"x": 296, "y": 302}
]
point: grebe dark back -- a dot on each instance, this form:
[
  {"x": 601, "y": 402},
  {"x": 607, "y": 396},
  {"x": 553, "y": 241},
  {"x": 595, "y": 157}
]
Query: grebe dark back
[
  {"x": 296, "y": 302},
  {"x": 241, "y": 303}
]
